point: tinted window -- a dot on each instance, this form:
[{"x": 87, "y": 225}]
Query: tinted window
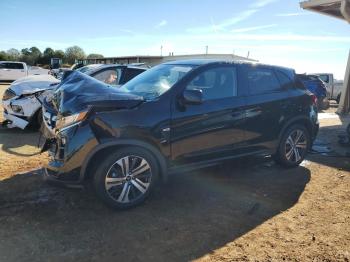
[
  {"x": 324, "y": 78},
  {"x": 14, "y": 66},
  {"x": 262, "y": 81},
  {"x": 130, "y": 73},
  {"x": 285, "y": 81},
  {"x": 216, "y": 83},
  {"x": 109, "y": 76}
]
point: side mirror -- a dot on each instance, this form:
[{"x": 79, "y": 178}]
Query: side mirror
[{"x": 193, "y": 97}]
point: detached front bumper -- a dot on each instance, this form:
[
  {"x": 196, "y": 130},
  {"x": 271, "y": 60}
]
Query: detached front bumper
[
  {"x": 16, "y": 121},
  {"x": 20, "y": 111}
]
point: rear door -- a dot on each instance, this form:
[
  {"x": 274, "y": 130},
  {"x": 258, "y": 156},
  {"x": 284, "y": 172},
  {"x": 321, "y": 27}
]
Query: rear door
[
  {"x": 267, "y": 107},
  {"x": 15, "y": 71},
  {"x": 200, "y": 132}
]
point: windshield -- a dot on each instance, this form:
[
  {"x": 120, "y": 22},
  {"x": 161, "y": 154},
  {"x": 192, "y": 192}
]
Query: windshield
[{"x": 157, "y": 80}]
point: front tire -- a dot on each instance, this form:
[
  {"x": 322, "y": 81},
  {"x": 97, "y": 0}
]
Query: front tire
[
  {"x": 293, "y": 147},
  {"x": 126, "y": 177}
]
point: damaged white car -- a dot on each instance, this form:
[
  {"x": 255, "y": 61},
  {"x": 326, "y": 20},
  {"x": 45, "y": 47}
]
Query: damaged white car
[{"x": 23, "y": 99}]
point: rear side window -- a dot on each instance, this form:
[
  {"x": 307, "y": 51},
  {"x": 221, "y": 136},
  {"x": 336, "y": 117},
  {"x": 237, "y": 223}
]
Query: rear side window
[
  {"x": 324, "y": 78},
  {"x": 14, "y": 66},
  {"x": 262, "y": 81},
  {"x": 129, "y": 74},
  {"x": 216, "y": 83},
  {"x": 285, "y": 80}
]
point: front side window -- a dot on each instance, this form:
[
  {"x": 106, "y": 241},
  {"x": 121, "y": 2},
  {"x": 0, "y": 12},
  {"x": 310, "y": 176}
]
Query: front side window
[
  {"x": 109, "y": 76},
  {"x": 156, "y": 81},
  {"x": 262, "y": 81},
  {"x": 216, "y": 83}
]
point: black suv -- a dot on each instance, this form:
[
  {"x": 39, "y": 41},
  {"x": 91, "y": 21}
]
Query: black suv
[{"x": 176, "y": 116}]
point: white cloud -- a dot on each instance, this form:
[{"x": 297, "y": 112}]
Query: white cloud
[
  {"x": 223, "y": 25},
  {"x": 253, "y": 28},
  {"x": 161, "y": 24},
  {"x": 262, "y": 3},
  {"x": 291, "y": 14}
]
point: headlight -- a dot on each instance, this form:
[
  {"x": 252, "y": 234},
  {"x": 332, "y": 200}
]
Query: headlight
[
  {"x": 70, "y": 120},
  {"x": 9, "y": 93}
]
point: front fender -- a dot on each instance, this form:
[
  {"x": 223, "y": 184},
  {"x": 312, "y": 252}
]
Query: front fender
[{"x": 123, "y": 142}]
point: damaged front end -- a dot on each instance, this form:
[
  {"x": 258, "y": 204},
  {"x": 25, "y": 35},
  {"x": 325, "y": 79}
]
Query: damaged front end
[
  {"x": 22, "y": 100},
  {"x": 67, "y": 117}
]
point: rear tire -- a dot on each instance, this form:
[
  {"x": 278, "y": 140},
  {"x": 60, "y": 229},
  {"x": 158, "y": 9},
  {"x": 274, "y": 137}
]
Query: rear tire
[
  {"x": 293, "y": 147},
  {"x": 126, "y": 177}
]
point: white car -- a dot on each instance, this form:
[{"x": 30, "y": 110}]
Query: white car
[
  {"x": 10, "y": 70},
  {"x": 23, "y": 99}
]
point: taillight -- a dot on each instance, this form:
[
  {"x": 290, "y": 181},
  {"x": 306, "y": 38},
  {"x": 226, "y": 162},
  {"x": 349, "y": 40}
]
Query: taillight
[{"x": 314, "y": 99}]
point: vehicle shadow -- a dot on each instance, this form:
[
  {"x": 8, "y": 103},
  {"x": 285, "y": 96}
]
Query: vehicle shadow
[
  {"x": 13, "y": 139},
  {"x": 190, "y": 216}
]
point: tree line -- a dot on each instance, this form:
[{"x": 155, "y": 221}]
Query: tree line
[{"x": 33, "y": 55}]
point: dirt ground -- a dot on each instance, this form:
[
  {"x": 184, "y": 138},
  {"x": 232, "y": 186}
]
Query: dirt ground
[{"x": 244, "y": 210}]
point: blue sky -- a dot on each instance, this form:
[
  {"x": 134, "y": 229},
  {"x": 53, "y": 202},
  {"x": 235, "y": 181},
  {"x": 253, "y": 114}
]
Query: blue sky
[{"x": 273, "y": 31}]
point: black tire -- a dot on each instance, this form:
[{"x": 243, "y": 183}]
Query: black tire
[
  {"x": 36, "y": 120},
  {"x": 126, "y": 190},
  {"x": 286, "y": 154}
]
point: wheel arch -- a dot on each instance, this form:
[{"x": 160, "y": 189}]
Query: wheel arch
[
  {"x": 302, "y": 120},
  {"x": 99, "y": 151}
]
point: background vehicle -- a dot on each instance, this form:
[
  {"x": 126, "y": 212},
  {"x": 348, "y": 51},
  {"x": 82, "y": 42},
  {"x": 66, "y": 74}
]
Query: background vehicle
[
  {"x": 316, "y": 86},
  {"x": 22, "y": 100},
  {"x": 174, "y": 117},
  {"x": 334, "y": 87},
  {"x": 10, "y": 71}
]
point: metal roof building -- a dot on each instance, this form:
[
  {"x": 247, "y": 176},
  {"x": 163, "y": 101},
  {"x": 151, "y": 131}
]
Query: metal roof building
[
  {"x": 338, "y": 9},
  {"x": 154, "y": 60}
]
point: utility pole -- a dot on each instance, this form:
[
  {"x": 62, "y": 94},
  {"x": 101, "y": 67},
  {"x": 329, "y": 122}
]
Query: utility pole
[
  {"x": 206, "y": 49},
  {"x": 161, "y": 50}
]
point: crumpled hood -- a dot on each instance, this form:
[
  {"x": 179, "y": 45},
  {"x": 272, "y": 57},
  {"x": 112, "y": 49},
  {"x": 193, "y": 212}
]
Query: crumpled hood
[
  {"x": 32, "y": 84},
  {"x": 77, "y": 91}
]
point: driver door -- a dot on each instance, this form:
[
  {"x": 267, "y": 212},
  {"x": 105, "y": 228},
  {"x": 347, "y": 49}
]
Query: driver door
[{"x": 216, "y": 125}]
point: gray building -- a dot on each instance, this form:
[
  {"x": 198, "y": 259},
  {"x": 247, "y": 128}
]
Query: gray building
[{"x": 155, "y": 60}]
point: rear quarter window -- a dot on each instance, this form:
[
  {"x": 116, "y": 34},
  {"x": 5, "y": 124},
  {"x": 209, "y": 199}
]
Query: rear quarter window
[
  {"x": 262, "y": 81},
  {"x": 284, "y": 79}
]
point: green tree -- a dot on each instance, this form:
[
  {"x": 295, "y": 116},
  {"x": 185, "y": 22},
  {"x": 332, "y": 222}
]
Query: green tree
[
  {"x": 3, "y": 56},
  {"x": 47, "y": 55},
  {"x": 13, "y": 54},
  {"x": 48, "y": 52},
  {"x": 59, "y": 54},
  {"x": 72, "y": 53},
  {"x": 31, "y": 55},
  {"x": 94, "y": 56}
]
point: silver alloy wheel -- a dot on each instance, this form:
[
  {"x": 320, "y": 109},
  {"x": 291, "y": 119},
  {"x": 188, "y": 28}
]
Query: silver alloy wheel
[
  {"x": 128, "y": 179},
  {"x": 296, "y": 145}
]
